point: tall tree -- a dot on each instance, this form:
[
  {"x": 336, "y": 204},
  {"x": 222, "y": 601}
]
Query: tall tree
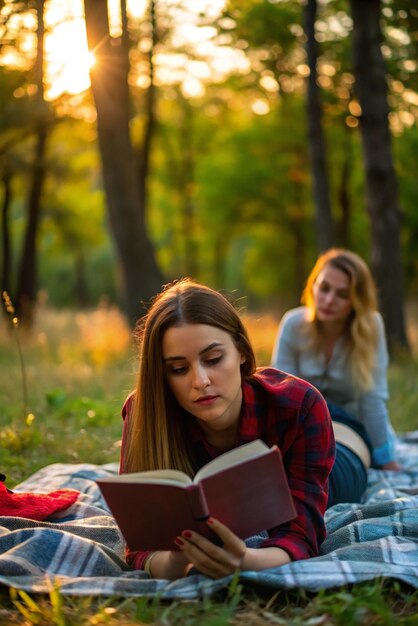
[
  {"x": 6, "y": 178},
  {"x": 381, "y": 182},
  {"x": 125, "y": 202},
  {"x": 144, "y": 150},
  {"x": 27, "y": 278},
  {"x": 344, "y": 223},
  {"x": 316, "y": 140}
]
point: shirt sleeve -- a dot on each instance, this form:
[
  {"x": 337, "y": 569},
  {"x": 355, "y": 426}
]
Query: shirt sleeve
[
  {"x": 373, "y": 410},
  {"x": 284, "y": 355},
  {"x": 308, "y": 460},
  {"x": 135, "y": 558}
]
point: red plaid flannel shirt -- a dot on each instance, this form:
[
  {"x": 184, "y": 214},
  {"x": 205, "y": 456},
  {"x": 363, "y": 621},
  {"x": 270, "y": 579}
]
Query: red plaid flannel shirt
[{"x": 289, "y": 412}]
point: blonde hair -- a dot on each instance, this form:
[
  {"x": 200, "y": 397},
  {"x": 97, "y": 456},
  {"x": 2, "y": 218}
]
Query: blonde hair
[
  {"x": 361, "y": 331},
  {"x": 157, "y": 424}
]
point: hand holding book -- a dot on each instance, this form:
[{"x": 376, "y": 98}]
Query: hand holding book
[{"x": 232, "y": 555}]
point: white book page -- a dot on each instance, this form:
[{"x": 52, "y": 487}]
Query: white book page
[
  {"x": 233, "y": 457},
  {"x": 166, "y": 476}
]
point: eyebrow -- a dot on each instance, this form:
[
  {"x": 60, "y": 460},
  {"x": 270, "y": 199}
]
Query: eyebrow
[
  {"x": 327, "y": 284},
  {"x": 215, "y": 344}
]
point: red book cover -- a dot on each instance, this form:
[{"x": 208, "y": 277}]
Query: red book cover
[
  {"x": 245, "y": 488},
  {"x": 150, "y": 516}
]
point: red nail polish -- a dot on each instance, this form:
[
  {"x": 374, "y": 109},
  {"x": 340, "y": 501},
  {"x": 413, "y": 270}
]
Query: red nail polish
[
  {"x": 178, "y": 541},
  {"x": 209, "y": 520},
  {"x": 187, "y": 534}
]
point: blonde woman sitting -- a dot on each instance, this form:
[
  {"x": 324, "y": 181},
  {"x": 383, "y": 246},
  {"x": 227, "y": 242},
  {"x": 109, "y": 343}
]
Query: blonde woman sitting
[{"x": 336, "y": 341}]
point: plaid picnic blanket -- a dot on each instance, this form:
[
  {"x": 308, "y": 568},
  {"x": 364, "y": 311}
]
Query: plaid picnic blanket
[{"x": 80, "y": 549}]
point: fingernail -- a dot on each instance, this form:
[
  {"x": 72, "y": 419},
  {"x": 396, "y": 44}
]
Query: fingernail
[
  {"x": 210, "y": 520},
  {"x": 179, "y": 541},
  {"x": 187, "y": 534}
]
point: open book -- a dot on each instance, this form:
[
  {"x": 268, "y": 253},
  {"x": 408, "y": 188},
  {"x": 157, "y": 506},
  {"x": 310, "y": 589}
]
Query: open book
[{"x": 246, "y": 489}]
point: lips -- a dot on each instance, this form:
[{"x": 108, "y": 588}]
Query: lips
[{"x": 206, "y": 400}]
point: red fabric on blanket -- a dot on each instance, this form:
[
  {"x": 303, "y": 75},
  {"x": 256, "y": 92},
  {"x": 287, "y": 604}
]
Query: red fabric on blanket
[{"x": 36, "y": 506}]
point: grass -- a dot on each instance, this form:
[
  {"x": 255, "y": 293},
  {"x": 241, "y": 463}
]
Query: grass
[
  {"x": 361, "y": 605},
  {"x": 79, "y": 368}
]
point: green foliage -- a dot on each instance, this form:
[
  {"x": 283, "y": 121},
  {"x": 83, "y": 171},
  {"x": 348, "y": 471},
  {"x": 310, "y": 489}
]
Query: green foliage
[
  {"x": 230, "y": 191},
  {"x": 77, "y": 262},
  {"x": 12, "y": 112},
  {"x": 82, "y": 277},
  {"x": 264, "y": 23}
]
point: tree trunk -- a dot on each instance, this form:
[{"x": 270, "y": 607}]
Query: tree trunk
[
  {"x": 109, "y": 79},
  {"x": 27, "y": 281},
  {"x": 380, "y": 177},
  {"x": 7, "y": 254},
  {"x": 27, "y": 278},
  {"x": 324, "y": 222},
  {"x": 344, "y": 222},
  {"x": 81, "y": 292},
  {"x": 296, "y": 219},
  {"x": 144, "y": 152}
]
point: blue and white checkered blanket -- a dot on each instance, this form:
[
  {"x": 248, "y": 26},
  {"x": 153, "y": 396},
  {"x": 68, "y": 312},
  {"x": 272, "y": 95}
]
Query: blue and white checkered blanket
[{"x": 80, "y": 550}]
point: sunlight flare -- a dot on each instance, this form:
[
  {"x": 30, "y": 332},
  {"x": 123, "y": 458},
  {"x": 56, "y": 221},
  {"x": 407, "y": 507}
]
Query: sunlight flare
[{"x": 68, "y": 59}]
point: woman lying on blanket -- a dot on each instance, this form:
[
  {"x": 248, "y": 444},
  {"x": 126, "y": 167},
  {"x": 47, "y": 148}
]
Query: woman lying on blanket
[
  {"x": 198, "y": 395},
  {"x": 337, "y": 342}
]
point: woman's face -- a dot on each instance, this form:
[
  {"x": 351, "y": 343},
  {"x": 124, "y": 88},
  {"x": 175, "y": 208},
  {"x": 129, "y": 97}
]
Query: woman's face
[
  {"x": 202, "y": 366},
  {"x": 331, "y": 293}
]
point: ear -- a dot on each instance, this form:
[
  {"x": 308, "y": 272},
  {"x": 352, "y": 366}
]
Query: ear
[{"x": 242, "y": 359}]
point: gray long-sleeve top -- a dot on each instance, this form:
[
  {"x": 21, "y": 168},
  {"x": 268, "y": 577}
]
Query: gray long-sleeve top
[{"x": 293, "y": 354}]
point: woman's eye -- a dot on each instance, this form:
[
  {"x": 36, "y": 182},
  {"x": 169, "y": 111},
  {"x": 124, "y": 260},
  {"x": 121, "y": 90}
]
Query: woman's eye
[
  {"x": 178, "y": 369},
  {"x": 324, "y": 288},
  {"x": 214, "y": 360}
]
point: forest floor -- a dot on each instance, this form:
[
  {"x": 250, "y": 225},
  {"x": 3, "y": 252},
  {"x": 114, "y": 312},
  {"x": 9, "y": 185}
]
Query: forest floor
[{"x": 63, "y": 405}]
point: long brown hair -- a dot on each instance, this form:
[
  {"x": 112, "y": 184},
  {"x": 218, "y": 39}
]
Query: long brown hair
[
  {"x": 155, "y": 437},
  {"x": 361, "y": 324}
]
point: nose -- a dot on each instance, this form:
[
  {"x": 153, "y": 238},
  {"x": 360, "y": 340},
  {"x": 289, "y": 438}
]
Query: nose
[
  {"x": 200, "y": 377},
  {"x": 329, "y": 297}
]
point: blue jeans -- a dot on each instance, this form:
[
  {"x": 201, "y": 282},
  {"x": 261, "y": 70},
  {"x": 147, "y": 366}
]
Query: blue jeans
[{"x": 348, "y": 478}]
